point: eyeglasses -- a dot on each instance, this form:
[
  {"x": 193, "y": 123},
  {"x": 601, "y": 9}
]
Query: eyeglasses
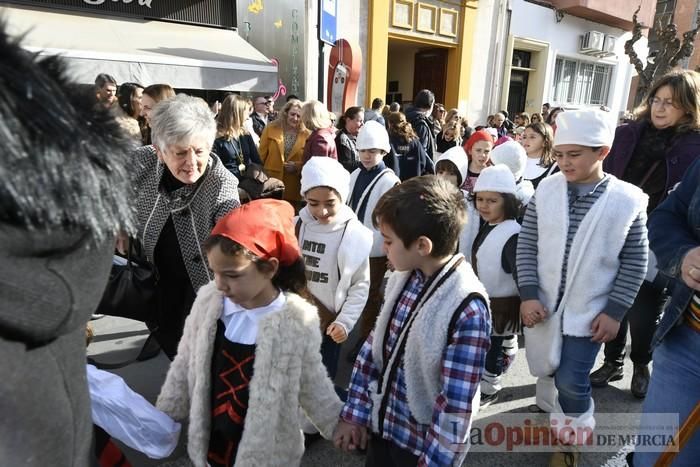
[{"x": 658, "y": 102}]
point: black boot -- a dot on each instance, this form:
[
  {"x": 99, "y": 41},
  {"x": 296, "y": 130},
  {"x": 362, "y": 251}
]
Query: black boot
[
  {"x": 605, "y": 374},
  {"x": 640, "y": 381}
]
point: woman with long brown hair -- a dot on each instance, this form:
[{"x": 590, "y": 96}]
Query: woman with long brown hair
[
  {"x": 412, "y": 157},
  {"x": 348, "y": 127},
  {"x": 149, "y": 98},
  {"x": 233, "y": 144}
]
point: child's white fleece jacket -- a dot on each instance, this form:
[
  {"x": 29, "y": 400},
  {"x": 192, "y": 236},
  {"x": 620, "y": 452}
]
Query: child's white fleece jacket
[{"x": 339, "y": 253}]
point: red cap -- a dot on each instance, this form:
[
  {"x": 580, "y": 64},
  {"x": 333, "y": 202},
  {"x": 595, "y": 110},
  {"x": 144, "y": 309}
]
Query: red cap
[
  {"x": 481, "y": 135},
  {"x": 263, "y": 226}
]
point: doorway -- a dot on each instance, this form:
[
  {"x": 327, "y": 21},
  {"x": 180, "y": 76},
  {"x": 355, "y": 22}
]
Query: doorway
[
  {"x": 430, "y": 72},
  {"x": 517, "y": 92}
]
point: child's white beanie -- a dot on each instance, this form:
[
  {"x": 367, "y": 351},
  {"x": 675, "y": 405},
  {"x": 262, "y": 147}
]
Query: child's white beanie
[
  {"x": 512, "y": 155},
  {"x": 373, "y": 135},
  {"x": 497, "y": 178},
  {"x": 324, "y": 171},
  {"x": 592, "y": 128},
  {"x": 458, "y": 157}
]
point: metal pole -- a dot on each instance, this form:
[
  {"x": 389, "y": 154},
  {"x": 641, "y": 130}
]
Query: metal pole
[{"x": 321, "y": 71}]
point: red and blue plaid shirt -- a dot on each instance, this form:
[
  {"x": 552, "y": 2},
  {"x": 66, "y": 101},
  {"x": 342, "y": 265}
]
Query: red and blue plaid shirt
[{"x": 441, "y": 442}]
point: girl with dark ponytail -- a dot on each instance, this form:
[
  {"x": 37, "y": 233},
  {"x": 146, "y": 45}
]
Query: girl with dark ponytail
[{"x": 249, "y": 356}]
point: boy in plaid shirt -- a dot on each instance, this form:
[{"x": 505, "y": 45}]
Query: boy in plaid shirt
[{"x": 415, "y": 383}]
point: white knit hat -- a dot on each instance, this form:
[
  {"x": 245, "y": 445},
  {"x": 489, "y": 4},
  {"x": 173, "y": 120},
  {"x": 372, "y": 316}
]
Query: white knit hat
[
  {"x": 497, "y": 178},
  {"x": 511, "y": 154},
  {"x": 324, "y": 171},
  {"x": 591, "y": 128},
  {"x": 373, "y": 135},
  {"x": 458, "y": 157}
]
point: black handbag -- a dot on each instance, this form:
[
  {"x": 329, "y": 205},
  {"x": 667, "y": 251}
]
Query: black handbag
[{"x": 131, "y": 288}]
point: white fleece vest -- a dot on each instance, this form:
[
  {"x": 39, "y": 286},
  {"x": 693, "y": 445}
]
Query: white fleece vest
[
  {"x": 387, "y": 181},
  {"x": 427, "y": 338},
  {"x": 498, "y": 283},
  {"x": 594, "y": 257}
]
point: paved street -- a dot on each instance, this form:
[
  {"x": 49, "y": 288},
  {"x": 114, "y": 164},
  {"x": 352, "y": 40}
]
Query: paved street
[{"x": 117, "y": 339}]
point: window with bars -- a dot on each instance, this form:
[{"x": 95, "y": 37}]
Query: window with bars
[{"x": 579, "y": 82}]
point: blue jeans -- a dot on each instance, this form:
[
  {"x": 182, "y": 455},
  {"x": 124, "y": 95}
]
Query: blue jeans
[
  {"x": 571, "y": 379},
  {"x": 674, "y": 388}
]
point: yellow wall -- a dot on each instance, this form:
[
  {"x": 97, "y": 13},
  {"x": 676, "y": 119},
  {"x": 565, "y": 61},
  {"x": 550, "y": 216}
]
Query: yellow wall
[
  {"x": 458, "y": 59},
  {"x": 378, "y": 45}
]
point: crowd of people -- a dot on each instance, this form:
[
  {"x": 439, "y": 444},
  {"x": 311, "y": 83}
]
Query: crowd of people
[{"x": 426, "y": 247}]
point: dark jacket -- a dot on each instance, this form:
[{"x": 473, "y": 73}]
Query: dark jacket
[
  {"x": 228, "y": 152},
  {"x": 346, "y": 146},
  {"x": 321, "y": 143},
  {"x": 423, "y": 127},
  {"x": 412, "y": 158},
  {"x": 674, "y": 229},
  {"x": 684, "y": 151},
  {"x": 258, "y": 123}
]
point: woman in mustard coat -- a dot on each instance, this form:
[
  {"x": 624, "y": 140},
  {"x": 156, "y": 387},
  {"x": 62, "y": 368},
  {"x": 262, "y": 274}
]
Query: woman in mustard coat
[{"x": 282, "y": 149}]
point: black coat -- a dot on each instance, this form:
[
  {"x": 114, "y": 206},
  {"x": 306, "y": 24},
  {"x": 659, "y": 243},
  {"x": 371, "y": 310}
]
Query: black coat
[
  {"x": 423, "y": 128},
  {"x": 228, "y": 152},
  {"x": 412, "y": 158}
]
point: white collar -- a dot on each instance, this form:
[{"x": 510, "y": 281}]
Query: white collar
[{"x": 242, "y": 323}]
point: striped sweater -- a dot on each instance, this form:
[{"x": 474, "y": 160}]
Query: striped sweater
[{"x": 633, "y": 256}]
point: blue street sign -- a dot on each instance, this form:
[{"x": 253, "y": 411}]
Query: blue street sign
[{"x": 328, "y": 21}]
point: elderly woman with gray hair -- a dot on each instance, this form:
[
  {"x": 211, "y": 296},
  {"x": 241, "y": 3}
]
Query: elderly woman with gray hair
[{"x": 183, "y": 189}]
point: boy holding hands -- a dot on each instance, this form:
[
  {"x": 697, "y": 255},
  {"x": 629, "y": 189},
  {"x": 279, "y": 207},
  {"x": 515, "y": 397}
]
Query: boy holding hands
[
  {"x": 581, "y": 258},
  {"x": 415, "y": 383}
]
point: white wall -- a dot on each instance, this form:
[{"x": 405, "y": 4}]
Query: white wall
[
  {"x": 536, "y": 22},
  {"x": 484, "y": 88},
  {"x": 352, "y": 26}
]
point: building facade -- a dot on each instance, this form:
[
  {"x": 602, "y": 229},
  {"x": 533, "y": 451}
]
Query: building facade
[{"x": 567, "y": 53}]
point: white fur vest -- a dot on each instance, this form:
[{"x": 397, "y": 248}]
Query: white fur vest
[
  {"x": 427, "y": 338},
  {"x": 593, "y": 260},
  {"x": 387, "y": 181},
  {"x": 488, "y": 261},
  {"x": 287, "y": 373}
]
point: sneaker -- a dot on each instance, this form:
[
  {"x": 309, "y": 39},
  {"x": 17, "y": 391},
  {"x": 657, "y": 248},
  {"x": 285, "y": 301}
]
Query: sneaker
[
  {"x": 605, "y": 374},
  {"x": 640, "y": 381},
  {"x": 567, "y": 457},
  {"x": 488, "y": 399}
]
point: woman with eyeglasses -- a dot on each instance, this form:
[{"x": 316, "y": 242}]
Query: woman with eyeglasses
[{"x": 652, "y": 152}]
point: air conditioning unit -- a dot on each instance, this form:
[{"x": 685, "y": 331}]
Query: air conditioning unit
[
  {"x": 592, "y": 43},
  {"x": 609, "y": 46}
]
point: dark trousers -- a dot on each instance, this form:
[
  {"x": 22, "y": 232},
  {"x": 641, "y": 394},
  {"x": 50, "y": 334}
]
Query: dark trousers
[
  {"x": 642, "y": 319},
  {"x": 383, "y": 453},
  {"x": 495, "y": 357},
  {"x": 377, "y": 268}
]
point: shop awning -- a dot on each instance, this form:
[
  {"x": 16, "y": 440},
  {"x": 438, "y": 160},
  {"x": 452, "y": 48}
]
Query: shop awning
[{"x": 143, "y": 51}]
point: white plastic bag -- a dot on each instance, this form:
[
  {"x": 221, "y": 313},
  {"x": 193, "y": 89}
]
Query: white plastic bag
[{"x": 130, "y": 418}]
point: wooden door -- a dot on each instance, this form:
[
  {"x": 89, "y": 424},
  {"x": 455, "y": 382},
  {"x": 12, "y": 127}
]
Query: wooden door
[{"x": 430, "y": 72}]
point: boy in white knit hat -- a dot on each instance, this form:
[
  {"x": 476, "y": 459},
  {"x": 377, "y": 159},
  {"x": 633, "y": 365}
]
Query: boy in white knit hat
[
  {"x": 581, "y": 258},
  {"x": 367, "y": 184},
  {"x": 336, "y": 247}
]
